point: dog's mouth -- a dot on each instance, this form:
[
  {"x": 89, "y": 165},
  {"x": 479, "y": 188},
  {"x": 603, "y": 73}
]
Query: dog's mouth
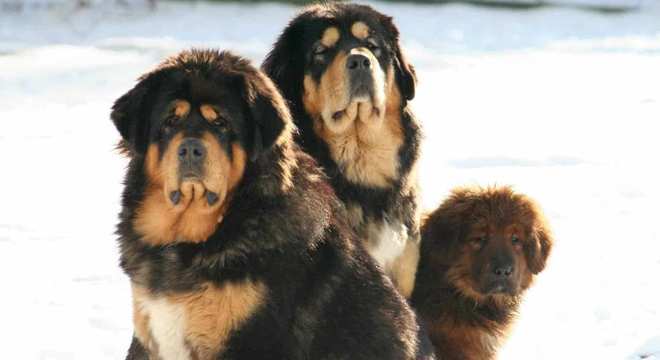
[
  {"x": 362, "y": 90},
  {"x": 356, "y": 108},
  {"x": 499, "y": 288},
  {"x": 192, "y": 189}
]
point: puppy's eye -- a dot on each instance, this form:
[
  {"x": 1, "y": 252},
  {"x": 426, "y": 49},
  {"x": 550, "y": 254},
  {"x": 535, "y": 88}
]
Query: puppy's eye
[
  {"x": 320, "y": 49},
  {"x": 479, "y": 242},
  {"x": 515, "y": 240}
]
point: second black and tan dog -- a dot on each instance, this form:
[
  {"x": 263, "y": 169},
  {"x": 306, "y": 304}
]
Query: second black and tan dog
[
  {"x": 231, "y": 236},
  {"x": 348, "y": 83}
]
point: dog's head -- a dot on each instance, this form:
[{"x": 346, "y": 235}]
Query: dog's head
[
  {"x": 490, "y": 241},
  {"x": 341, "y": 63},
  {"x": 196, "y": 123}
]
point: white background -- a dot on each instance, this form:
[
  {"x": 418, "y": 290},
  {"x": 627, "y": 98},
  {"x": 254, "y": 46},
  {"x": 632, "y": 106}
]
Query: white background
[{"x": 562, "y": 103}]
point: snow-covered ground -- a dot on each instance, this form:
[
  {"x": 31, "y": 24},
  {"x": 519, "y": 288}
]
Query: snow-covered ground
[{"x": 561, "y": 103}]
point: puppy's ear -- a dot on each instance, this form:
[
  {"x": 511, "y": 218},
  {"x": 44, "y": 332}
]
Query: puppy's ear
[
  {"x": 269, "y": 114},
  {"x": 538, "y": 249},
  {"x": 439, "y": 238},
  {"x": 406, "y": 77},
  {"x": 131, "y": 115},
  {"x": 443, "y": 231}
]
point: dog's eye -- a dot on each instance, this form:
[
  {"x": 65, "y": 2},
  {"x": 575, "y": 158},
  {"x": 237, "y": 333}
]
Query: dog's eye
[
  {"x": 479, "y": 242},
  {"x": 319, "y": 51},
  {"x": 373, "y": 46},
  {"x": 221, "y": 123},
  {"x": 515, "y": 240},
  {"x": 166, "y": 127}
]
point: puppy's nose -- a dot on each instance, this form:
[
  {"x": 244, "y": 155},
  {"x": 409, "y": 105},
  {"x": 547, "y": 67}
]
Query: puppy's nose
[
  {"x": 357, "y": 62},
  {"x": 191, "y": 151},
  {"x": 503, "y": 271}
]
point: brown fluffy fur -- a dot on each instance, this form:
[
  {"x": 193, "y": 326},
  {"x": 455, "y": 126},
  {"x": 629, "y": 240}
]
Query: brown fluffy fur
[{"x": 463, "y": 243}]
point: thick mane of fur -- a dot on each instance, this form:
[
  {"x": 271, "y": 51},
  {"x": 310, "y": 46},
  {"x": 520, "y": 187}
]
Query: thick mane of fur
[{"x": 458, "y": 317}]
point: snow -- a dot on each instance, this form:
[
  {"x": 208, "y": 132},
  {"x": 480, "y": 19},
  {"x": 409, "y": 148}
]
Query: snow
[{"x": 563, "y": 104}]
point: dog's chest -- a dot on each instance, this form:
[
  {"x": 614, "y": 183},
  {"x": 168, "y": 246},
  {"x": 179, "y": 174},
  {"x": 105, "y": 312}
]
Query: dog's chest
[
  {"x": 193, "y": 325},
  {"x": 167, "y": 328},
  {"x": 386, "y": 241}
]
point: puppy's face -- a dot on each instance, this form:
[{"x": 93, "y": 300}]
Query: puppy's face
[
  {"x": 493, "y": 258},
  {"x": 195, "y": 123},
  {"x": 352, "y": 65},
  {"x": 491, "y": 241}
]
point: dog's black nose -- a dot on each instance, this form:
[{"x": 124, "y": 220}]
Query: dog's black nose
[
  {"x": 358, "y": 62},
  {"x": 191, "y": 151},
  {"x": 503, "y": 271}
]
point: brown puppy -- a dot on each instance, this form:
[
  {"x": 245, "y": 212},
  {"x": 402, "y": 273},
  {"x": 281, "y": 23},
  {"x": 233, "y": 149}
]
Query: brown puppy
[{"x": 480, "y": 251}]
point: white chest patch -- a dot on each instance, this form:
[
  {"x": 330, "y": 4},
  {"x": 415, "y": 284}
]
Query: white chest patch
[
  {"x": 167, "y": 322},
  {"x": 389, "y": 243}
]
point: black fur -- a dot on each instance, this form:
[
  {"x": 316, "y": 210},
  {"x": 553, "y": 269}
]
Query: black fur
[{"x": 326, "y": 299}]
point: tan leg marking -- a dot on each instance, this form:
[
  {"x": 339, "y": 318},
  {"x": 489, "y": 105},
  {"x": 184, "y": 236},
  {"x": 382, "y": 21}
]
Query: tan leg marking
[{"x": 404, "y": 268}]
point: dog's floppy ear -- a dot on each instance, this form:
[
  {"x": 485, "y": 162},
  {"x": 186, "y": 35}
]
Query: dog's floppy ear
[
  {"x": 539, "y": 246},
  {"x": 268, "y": 112},
  {"x": 443, "y": 231},
  {"x": 131, "y": 116},
  {"x": 440, "y": 238},
  {"x": 284, "y": 63},
  {"x": 406, "y": 77}
]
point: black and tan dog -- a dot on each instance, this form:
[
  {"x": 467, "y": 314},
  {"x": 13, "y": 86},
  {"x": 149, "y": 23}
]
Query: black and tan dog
[
  {"x": 480, "y": 251},
  {"x": 230, "y": 235},
  {"x": 342, "y": 70}
]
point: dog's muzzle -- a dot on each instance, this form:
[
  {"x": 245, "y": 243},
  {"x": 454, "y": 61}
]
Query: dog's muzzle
[{"x": 359, "y": 69}]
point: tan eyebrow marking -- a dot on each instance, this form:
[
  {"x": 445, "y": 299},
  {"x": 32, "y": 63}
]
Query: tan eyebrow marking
[
  {"x": 208, "y": 112},
  {"x": 330, "y": 37},
  {"x": 181, "y": 108},
  {"x": 360, "y": 30}
]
